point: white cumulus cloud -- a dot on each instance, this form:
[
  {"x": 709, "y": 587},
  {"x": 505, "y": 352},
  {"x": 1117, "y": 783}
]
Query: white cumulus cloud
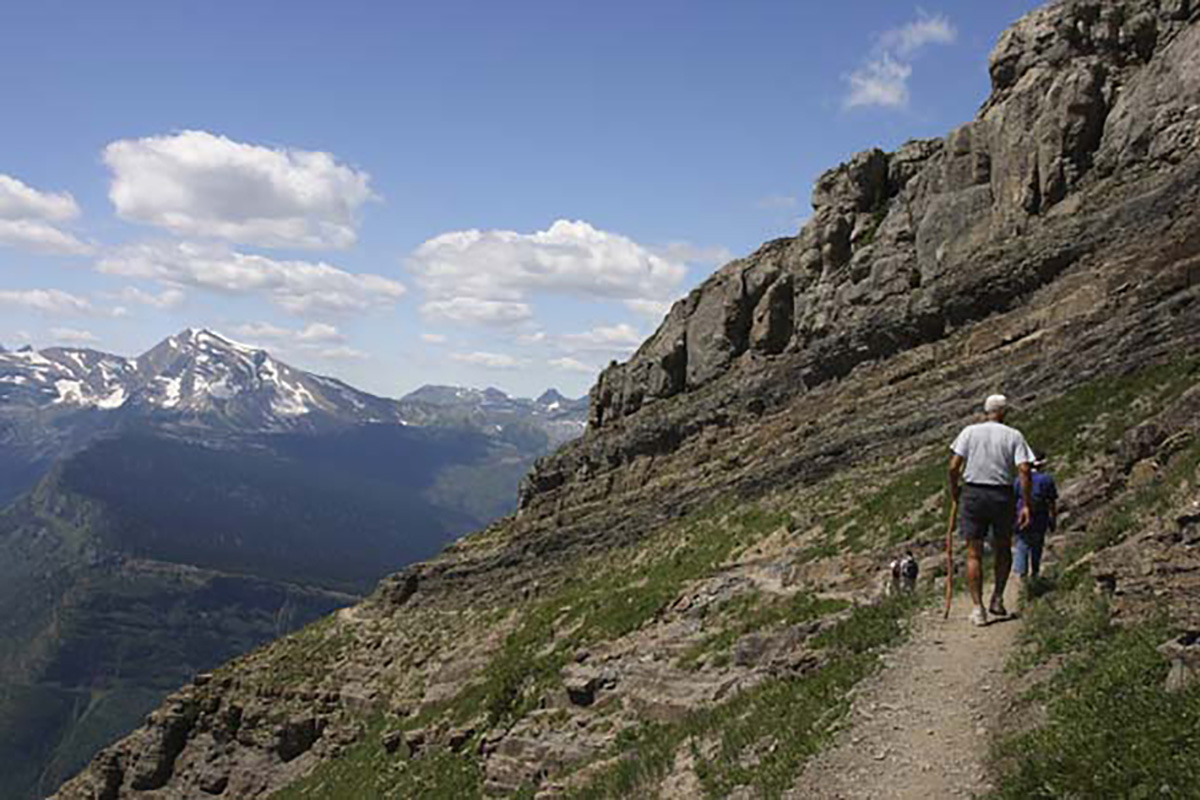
[
  {"x": 488, "y": 276},
  {"x": 30, "y": 219},
  {"x": 46, "y": 301},
  {"x": 881, "y": 82},
  {"x": 195, "y": 183},
  {"x": 883, "y": 79},
  {"x": 296, "y": 286}
]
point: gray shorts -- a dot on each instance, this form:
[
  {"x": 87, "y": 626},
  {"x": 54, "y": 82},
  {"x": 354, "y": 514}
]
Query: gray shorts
[{"x": 984, "y": 510}]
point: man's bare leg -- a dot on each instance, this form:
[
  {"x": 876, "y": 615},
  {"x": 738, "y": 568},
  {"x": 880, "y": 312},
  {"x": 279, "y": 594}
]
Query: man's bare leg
[
  {"x": 975, "y": 571},
  {"x": 1004, "y": 561}
]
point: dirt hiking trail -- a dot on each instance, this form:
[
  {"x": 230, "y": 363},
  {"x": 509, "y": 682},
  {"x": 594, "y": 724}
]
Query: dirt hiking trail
[{"x": 920, "y": 727}]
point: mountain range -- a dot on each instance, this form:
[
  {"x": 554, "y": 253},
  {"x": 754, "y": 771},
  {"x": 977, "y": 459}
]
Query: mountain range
[
  {"x": 203, "y": 384},
  {"x": 161, "y": 514}
]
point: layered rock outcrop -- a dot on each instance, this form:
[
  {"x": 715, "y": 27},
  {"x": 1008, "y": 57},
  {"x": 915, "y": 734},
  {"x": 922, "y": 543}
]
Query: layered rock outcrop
[{"x": 904, "y": 247}]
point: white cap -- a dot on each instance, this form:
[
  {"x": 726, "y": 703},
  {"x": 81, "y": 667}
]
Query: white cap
[{"x": 995, "y": 402}]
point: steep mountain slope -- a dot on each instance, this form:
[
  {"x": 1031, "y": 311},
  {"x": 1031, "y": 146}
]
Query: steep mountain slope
[
  {"x": 669, "y": 613},
  {"x": 143, "y": 559}
]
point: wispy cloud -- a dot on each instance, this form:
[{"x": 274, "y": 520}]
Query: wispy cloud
[
  {"x": 164, "y": 300},
  {"x": 314, "y": 333},
  {"x": 620, "y": 339},
  {"x": 489, "y": 360},
  {"x": 883, "y": 79},
  {"x": 46, "y": 301},
  {"x": 568, "y": 364},
  {"x": 31, "y": 219},
  {"x": 298, "y": 287},
  {"x": 73, "y": 336},
  {"x": 317, "y": 339},
  {"x": 908, "y": 39}
]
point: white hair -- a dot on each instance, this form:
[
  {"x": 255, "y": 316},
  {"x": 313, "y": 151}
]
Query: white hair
[{"x": 995, "y": 402}]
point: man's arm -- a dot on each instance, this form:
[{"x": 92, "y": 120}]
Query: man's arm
[
  {"x": 1026, "y": 494},
  {"x": 956, "y": 467}
]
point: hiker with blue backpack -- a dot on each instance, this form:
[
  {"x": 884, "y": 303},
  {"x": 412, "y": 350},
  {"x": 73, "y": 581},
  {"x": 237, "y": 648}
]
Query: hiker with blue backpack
[{"x": 1042, "y": 519}]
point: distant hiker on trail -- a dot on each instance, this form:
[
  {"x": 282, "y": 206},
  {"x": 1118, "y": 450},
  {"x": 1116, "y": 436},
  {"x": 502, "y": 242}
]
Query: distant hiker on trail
[
  {"x": 1043, "y": 517},
  {"x": 988, "y": 456},
  {"x": 905, "y": 571}
]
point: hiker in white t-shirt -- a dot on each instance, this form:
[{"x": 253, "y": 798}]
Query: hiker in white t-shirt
[{"x": 988, "y": 457}]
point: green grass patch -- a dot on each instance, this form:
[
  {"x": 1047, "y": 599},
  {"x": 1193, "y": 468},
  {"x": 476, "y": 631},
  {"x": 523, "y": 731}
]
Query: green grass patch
[
  {"x": 1112, "y": 729},
  {"x": 1059, "y": 624},
  {"x": 608, "y": 605},
  {"x": 759, "y": 738},
  {"x": 897, "y": 512},
  {"x": 306, "y": 655},
  {"x": 366, "y": 771}
]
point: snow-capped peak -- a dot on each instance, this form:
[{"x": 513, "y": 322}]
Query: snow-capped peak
[{"x": 197, "y": 373}]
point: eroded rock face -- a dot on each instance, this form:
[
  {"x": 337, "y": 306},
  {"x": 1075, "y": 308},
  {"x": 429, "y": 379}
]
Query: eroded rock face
[{"x": 1075, "y": 85}]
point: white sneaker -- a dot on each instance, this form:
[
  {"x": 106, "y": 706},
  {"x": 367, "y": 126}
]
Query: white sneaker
[{"x": 978, "y": 617}]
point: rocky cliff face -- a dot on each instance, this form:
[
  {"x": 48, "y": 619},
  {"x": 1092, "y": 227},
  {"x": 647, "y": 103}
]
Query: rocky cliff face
[
  {"x": 905, "y": 247},
  {"x": 688, "y": 561}
]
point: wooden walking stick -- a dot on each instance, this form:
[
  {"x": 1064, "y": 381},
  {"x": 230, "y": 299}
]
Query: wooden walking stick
[{"x": 950, "y": 555}]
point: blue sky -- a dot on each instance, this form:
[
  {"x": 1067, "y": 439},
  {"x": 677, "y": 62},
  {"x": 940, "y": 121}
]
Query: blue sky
[{"x": 477, "y": 193}]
